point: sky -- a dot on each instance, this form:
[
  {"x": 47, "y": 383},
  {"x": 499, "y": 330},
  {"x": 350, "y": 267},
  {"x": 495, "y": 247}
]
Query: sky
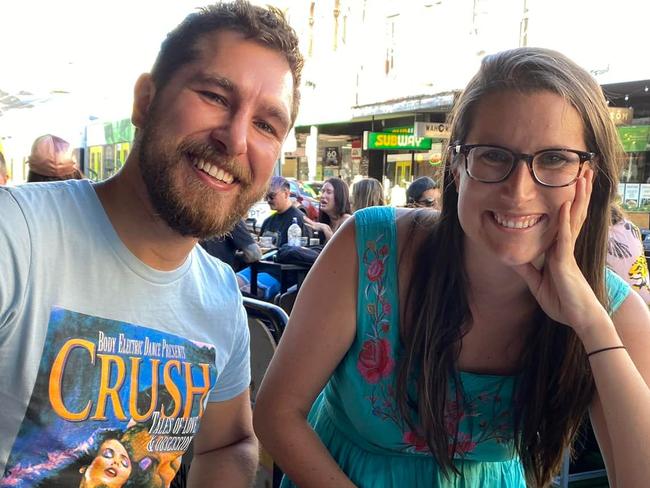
[
  {"x": 80, "y": 59},
  {"x": 92, "y": 52}
]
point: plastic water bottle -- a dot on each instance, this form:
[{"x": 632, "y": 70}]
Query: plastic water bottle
[{"x": 294, "y": 233}]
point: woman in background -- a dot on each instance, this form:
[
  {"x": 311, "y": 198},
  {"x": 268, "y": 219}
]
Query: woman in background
[
  {"x": 423, "y": 192},
  {"x": 334, "y": 209},
  {"x": 367, "y": 192},
  {"x": 625, "y": 253}
]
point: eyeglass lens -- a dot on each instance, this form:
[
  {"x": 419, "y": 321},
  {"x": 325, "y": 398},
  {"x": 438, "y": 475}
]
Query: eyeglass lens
[
  {"x": 553, "y": 167},
  {"x": 270, "y": 195}
]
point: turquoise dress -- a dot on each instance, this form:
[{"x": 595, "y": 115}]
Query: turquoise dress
[{"x": 357, "y": 416}]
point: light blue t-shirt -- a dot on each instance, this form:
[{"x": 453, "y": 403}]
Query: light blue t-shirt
[{"x": 93, "y": 340}]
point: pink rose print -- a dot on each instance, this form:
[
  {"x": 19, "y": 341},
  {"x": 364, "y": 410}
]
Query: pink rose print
[
  {"x": 415, "y": 440},
  {"x": 383, "y": 251},
  {"x": 375, "y": 360},
  {"x": 386, "y": 308},
  {"x": 465, "y": 445},
  {"x": 452, "y": 416},
  {"x": 375, "y": 270}
]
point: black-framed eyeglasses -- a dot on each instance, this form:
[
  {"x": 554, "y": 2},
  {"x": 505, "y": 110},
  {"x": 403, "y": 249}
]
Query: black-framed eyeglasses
[
  {"x": 427, "y": 202},
  {"x": 270, "y": 195},
  {"x": 549, "y": 167}
]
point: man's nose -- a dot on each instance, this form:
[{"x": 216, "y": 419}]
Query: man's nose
[{"x": 233, "y": 134}]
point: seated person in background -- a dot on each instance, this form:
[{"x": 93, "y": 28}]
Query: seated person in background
[
  {"x": 367, "y": 192},
  {"x": 226, "y": 247},
  {"x": 334, "y": 209},
  {"x": 277, "y": 224},
  {"x": 625, "y": 254},
  {"x": 52, "y": 159},
  {"x": 423, "y": 192}
]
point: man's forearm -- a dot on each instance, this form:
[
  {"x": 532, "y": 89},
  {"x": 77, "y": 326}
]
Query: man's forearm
[{"x": 231, "y": 466}]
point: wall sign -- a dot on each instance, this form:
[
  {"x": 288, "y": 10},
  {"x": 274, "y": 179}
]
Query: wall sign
[
  {"x": 331, "y": 156},
  {"x": 384, "y": 141}
]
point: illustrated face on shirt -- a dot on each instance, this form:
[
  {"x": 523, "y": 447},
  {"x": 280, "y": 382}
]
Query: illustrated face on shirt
[{"x": 111, "y": 467}]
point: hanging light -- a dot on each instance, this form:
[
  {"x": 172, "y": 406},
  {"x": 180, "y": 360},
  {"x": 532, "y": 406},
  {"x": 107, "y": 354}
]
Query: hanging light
[{"x": 627, "y": 97}]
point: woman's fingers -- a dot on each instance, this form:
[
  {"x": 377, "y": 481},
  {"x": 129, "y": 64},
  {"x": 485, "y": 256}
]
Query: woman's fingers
[
  {"x": 581, "y": 199},
  {"x": 565, "y": 240}
]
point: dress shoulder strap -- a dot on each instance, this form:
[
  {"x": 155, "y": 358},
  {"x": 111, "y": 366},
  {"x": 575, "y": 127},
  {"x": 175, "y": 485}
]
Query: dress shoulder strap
[
  {"x": 617, "y": 290},
  {"x": 377, "y": 296}
]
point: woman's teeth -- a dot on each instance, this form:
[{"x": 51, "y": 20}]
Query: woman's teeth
[{"x": 516, "y": 223}]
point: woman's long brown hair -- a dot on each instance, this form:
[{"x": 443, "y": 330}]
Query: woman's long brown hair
[{"x": 554, "y": 386}]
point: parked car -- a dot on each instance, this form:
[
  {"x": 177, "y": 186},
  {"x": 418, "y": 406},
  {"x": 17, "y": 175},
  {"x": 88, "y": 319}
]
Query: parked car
[
  {"x": 257, "y": 215},
  {"x": 314, "y": 187},
  {"x": 303, "y": 199}
]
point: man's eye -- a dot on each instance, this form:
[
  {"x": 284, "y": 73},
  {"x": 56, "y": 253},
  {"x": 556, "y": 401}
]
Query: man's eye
[
  {"x": 265, "y": 127},
  {"x": 214, "y": 97}
]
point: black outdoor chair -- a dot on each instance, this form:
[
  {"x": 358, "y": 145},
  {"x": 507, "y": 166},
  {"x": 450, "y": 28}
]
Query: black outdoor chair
[{"x": 266, "y": 322}]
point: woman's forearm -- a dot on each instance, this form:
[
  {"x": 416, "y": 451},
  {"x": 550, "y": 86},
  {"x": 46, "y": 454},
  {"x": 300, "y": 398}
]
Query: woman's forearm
[
  {"x": 625, "y": 400},
  {"x": 327, "y": 231},
  {"x": 296, "y": 448}
]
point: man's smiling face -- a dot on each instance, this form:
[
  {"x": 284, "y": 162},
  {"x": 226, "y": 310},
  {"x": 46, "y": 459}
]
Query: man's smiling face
[{"x": 214, "y": 132}]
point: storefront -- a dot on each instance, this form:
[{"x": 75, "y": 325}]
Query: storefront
[
  {"x": 634, "y": 186},
  {"x": 406, "y": 156}
]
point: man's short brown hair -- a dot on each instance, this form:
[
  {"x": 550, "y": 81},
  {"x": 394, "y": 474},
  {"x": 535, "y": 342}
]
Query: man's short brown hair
[{"x": 267, "y": 26}]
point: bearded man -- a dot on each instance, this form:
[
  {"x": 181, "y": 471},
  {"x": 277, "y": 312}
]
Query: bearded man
[{"x": 105, "y": 294}]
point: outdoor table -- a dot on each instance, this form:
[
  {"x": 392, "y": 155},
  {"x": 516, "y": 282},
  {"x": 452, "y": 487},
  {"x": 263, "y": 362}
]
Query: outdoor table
[{"x": 284, "y": 270}]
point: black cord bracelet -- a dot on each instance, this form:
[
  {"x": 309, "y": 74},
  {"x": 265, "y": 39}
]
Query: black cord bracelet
[{"x": 604, "y": 349}]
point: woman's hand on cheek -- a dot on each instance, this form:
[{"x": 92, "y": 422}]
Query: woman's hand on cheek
[{"x": 559, "y": 286}]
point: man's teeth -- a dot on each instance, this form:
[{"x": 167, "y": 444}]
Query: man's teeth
[
  {"x": 519, "y": 223},
  {"x": 214, "y": 171}
]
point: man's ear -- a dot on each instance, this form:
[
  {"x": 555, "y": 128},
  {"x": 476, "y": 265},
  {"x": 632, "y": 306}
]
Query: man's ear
[{"x": 143, "y": 95}]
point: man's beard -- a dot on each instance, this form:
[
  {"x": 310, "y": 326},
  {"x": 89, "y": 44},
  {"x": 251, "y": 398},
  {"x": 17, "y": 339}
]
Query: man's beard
[{"x": 191, "y": 207}]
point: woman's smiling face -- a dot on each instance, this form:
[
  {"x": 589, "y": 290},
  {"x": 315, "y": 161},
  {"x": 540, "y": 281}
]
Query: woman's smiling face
[{"x": 516, "y": 220}]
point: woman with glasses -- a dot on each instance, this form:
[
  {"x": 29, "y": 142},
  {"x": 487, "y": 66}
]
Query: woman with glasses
[
  {"x": 506, "y": 329},
  {"x": 423, "y": 192}
]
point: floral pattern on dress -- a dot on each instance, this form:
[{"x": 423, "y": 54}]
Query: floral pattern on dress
[{"x": 376, "y": 364}]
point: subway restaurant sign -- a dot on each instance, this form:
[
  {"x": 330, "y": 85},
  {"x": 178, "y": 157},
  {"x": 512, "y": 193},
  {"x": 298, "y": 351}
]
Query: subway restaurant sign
[{"x": 384, "y": 141}]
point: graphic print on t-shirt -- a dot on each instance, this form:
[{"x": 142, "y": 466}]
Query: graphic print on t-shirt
[{"x": 114, "y": 405}]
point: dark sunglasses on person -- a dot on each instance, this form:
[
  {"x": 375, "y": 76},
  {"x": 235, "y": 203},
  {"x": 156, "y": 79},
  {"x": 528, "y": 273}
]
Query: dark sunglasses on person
[
  {"x": 427, "y": 202},
  {"x": 270, "y": 195}
]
